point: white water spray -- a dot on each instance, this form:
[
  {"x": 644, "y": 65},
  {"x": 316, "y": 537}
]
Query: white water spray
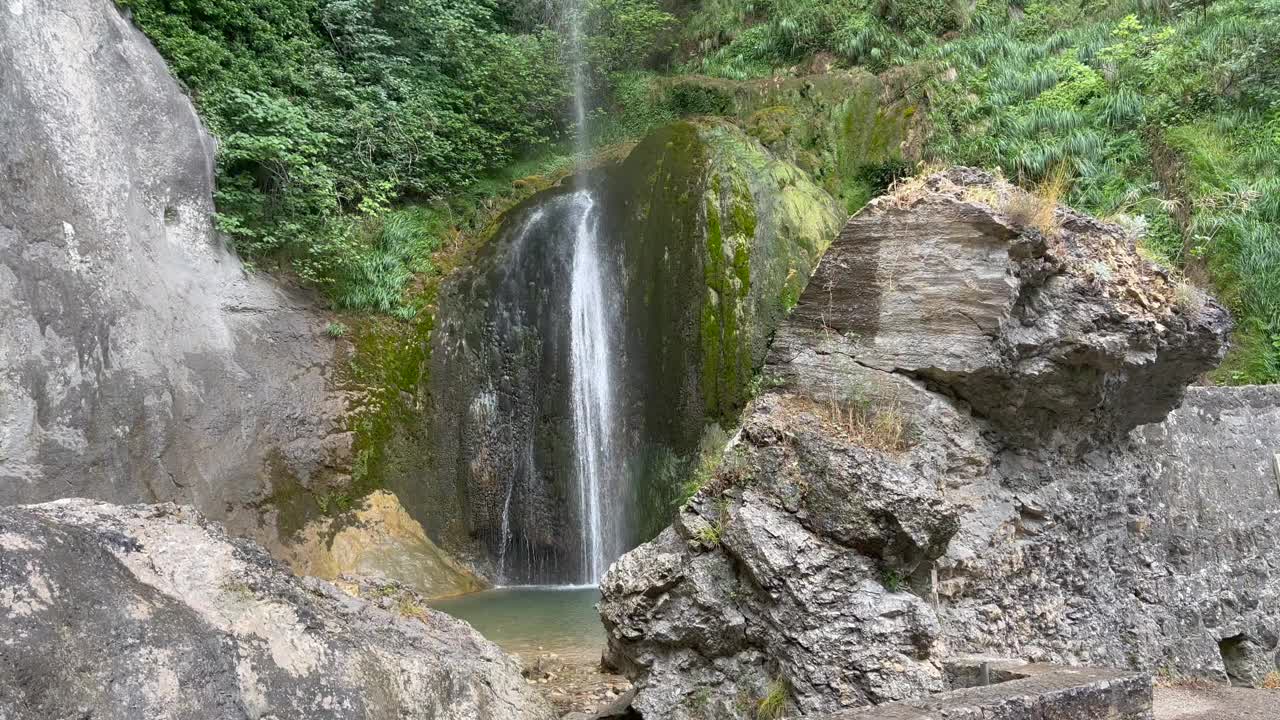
[
  {"x": 591, "y": 355},
  {"x": 592, "y": 392}
]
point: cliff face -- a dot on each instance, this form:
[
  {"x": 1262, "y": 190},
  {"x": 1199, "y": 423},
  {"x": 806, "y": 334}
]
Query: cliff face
[
  {"x": 952, "y": 456},
  {"x": 139, "y": 362},
  {"x": 706, "y": 239}
]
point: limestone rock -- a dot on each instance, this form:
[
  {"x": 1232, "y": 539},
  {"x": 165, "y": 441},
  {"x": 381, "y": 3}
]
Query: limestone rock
[
  {"x": 379, "y": 539},
  {"x": 947, "y": 459},
  {"x": 139, "y": 362},
  {"x": 152, "y": 611}
]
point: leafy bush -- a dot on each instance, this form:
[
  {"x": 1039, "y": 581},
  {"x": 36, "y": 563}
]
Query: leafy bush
[{"x": 329, "y": 106}]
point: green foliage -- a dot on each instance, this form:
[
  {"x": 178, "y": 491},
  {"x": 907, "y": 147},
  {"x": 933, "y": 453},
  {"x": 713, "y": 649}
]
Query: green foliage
[
  {"x": 331, "y": 106},
  {"x": 623, "y": 35},
  {"x": 1100, "y": 92},
  {"x": 336, "y": 330},
  {"x": 892, "y": 580},
  {"x": 741, "y": 39},
  {"x": 711, "y": 449}
]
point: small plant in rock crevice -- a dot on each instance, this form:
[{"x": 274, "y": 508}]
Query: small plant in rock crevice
[
  {"x": 333, "y": 502},
  {"x": 1190, "y": 300},
  {"x": 874, "y": 425},
  {"x": 712, "y": 533},
  {"x": 711, "y": 450},
  {"x": 409, "y": 607},
  {"x": 892, "y": 580},
  {"x": 774, "y": 702}
]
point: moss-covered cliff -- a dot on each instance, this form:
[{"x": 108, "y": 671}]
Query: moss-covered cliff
[{"x": 709, "y": 238}]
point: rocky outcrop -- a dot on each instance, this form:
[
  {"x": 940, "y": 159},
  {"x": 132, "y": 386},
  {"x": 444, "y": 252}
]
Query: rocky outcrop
[
  {"x": 151, "y": 611},
  {"x": 708, "y": 240},
  {"x": 983, "y": 688},
  {"x": 378, "y": 539},
  {"x": 1055, "y": 335},
  {"x": 139, "y": 362},
  {"x": 950, "y": 457}
]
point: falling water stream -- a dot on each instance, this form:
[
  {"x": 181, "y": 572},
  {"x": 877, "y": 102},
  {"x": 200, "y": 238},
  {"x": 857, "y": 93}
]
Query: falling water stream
[
  {"x": 527, "y": 620},
  {"x": 591, "y": 355},
  {"x": 592, "y": 390}
]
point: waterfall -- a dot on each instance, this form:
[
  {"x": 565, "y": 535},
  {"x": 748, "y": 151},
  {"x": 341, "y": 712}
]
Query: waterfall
[
  {"x": 578, "y": 59},
  {"x": 592, "y": 393},
  {"x": 591, "y": 356}
]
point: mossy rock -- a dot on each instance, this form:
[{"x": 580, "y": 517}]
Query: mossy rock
[
  {"x": 710, "y": 239},
  {"x": 835, "y": 125}
]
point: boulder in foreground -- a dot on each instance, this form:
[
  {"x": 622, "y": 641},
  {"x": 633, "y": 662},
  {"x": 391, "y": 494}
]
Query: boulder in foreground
[{"x": 119, "y": 613}]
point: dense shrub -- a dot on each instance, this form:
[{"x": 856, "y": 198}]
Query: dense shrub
[{"x": 329, "y": 113}]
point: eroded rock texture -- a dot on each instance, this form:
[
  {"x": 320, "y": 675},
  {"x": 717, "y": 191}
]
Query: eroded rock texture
[
  {"x": 951, "y": 457},
  {"x": 138, "y": 361},
  {"x": 153, "y": 612}
]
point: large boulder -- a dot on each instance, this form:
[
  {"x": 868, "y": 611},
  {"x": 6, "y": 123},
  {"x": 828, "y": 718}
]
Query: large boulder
[
  {"x": 949, "y": 457},
  {"x": 153, "y": 612},
  {"x": 139, "y": 362},
  {"x": 1044, "y": 321}
]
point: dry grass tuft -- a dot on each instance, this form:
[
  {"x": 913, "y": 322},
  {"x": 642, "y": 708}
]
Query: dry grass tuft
[
  {"x": 883, "y": 427},
  {"x": 1039, "y": 209},
  {"x": 906, "y": 191},
  {"x": 1190, "y": 300},
  {"x": 1271, "y": 681}
]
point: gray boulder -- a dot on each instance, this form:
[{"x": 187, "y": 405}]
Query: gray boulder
[
  {"x": 950, "y": 458},
  {"x": 153, "y": 612},
  {"x": 1054, "y": 339},
  {"x": 139, "y": 362}
]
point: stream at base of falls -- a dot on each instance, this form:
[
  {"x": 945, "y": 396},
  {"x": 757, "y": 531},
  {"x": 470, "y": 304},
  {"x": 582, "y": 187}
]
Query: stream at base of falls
[
  {"x": 528, "y": 621},
  {"x": 531, "y": 622}
]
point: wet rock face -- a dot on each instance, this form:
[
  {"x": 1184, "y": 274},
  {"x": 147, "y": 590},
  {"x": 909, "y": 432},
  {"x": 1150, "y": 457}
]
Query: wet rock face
[
  {"x": 138, "y": 361},
  {"x": 151, "y": 611},
  {"x": 706, "y": 240},
  {"x": 945, "y": 461}
]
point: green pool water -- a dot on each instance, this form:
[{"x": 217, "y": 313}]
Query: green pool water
[{"x": 528, "y": 621}]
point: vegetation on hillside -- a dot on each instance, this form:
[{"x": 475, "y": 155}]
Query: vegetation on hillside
[
  {"x": 1163, "y": 116},
  {"x": 359, "y": 138}
]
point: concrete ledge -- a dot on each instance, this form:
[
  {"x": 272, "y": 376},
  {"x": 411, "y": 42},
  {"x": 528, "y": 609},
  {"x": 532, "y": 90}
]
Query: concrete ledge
[{"x": 1023, "y": 691}]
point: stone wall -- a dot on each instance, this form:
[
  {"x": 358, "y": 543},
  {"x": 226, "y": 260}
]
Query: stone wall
[{"x": 1160, "y": 554}]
